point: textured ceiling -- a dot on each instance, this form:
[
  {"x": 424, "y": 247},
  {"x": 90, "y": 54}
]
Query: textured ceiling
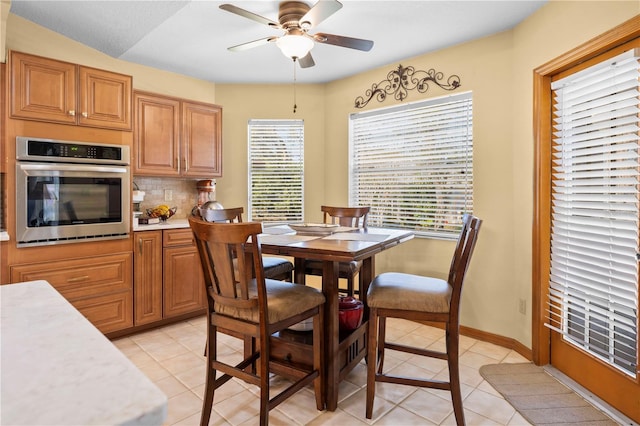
[{"x": 191, "y": 37}]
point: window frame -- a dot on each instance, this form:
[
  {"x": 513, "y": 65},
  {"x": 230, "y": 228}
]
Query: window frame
[
  {"x": 289, "y": 127},
  {"x": 444, "y": 217}
]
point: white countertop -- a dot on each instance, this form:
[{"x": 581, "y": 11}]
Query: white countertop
[
  {"x": 172, "y": 223},
  {"x": 58, "y": 369}
]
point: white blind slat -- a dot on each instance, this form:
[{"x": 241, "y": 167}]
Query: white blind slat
[
  {"x": 593, "y": 281},
  {"x": 276, "y": 170},
  {"x": 413, "y": 165}
]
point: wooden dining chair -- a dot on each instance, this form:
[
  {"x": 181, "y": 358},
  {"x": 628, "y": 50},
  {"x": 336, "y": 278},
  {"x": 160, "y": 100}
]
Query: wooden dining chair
[
  {"x": 240, "y": 298},
  {"x": 355, "y": 217},
  {"x": 277, "y": 268},
  {"x": 420, "y": 298}
]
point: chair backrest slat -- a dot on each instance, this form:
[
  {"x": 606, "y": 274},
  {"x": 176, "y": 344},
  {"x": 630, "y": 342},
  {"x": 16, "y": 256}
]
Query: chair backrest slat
[
  {"x": 462, "y": 257},
  {"x": 355, "y": 217},
  {"x": 218, "y": 244}
]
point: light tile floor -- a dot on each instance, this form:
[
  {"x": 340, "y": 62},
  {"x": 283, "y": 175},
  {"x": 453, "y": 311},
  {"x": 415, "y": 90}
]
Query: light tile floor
[{"x": 172, "y": 357}]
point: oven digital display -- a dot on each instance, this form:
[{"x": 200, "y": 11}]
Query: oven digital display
[{"x": 71, "y": 150}]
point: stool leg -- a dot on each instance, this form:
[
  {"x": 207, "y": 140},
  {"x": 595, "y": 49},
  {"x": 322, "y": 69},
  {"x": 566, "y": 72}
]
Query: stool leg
[
  {"x": 452, "y": 337},
  {"x": 372, "y": 349}
]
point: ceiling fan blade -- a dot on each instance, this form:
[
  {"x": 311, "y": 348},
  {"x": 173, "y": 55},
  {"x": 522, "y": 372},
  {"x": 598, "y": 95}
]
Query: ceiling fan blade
[
  {"x": 319, "y": 12},
  {"x": 250, "y": 15},
  {"x": 350, "y": 42},
  {"x": 251, "y": 44},
  {"x": 306, "y": 61}
]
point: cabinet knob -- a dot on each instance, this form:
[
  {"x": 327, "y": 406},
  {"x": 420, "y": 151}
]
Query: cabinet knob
[
  {"x": 85, "y": 115},
  {"x": 72, "y": 113}
]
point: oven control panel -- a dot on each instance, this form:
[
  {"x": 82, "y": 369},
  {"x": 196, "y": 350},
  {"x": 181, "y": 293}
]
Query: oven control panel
[{"x": 35, "y": 149}]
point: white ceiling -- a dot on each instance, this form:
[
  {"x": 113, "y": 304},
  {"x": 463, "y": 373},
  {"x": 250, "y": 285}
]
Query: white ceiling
[{"x": 191, "y": 37}]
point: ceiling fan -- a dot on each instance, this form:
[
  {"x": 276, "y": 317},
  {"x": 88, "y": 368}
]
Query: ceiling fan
[{"x": 296, "y": 18}]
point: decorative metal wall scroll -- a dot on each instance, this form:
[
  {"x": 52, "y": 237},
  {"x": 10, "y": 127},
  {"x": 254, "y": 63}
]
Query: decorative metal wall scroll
[{"x": 403, "y": 79}]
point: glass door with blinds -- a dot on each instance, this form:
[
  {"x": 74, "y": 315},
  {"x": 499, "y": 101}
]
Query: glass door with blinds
[{"x": 593, "y": 278}]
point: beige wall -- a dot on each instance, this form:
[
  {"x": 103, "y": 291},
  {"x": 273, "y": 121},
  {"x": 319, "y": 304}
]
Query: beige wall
[
  {"x": 497, "y": 69},
  {"x": 244, "y": 102}
]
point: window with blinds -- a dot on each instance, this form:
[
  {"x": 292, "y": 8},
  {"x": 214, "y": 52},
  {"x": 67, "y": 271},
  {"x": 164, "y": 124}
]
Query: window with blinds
[
  {"x": 413, "y": 165},
  {"x": 276, "y": 170},
  {"x": 593, "y": 287}
]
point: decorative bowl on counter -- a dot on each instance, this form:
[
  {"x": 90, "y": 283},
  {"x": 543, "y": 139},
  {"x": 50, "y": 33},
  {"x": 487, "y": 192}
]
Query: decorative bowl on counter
[{"x": 162, "y": 212}]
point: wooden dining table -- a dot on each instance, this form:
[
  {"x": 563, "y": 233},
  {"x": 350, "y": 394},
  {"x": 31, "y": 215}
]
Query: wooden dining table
[{"x": 343, "y": 350}]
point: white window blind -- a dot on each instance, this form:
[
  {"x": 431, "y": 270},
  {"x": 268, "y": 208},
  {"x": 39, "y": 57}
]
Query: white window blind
[
  {"x": 413, "y": 165},
  {"x": 593, "y": 285},
  {"x": 276, "y": 170}
]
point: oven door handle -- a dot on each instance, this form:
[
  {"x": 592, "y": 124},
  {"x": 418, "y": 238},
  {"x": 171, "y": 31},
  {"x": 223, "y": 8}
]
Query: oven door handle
[{"x": 72, "y": 168}]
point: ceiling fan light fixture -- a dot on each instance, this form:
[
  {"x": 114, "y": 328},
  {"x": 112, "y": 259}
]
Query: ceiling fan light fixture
[{"x": 294, "y": 46}]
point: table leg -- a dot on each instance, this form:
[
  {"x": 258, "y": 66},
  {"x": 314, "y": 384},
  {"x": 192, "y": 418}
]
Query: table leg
[
  {"x": 299, "y": 277},
  {"x": 332, "y": 332},
  {"x": 367, "y": 272}
]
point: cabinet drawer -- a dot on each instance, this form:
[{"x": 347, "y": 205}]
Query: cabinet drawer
[
  {"x": 177, "y": 237},
  {"x": 81, "y": 278},
  {"x": 111, "y": 312}
]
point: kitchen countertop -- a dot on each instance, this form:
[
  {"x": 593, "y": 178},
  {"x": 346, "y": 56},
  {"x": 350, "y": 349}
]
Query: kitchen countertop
[
  {"x": 172, "y": 223},
  {"x": 58, "y": 369}
]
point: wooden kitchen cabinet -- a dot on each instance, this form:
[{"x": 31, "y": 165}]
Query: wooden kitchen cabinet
[
  {"x": 183, "y": 278},
  {"x": 168, "y": 279},
  {"x": 147, "y": 277},
  {"x": 176, "y": 137},
  {"x": 44, "y": 89},
  {"x": 99, "y": 287}
]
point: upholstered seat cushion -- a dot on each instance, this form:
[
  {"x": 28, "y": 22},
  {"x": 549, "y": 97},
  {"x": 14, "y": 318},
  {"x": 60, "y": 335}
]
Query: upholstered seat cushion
[
  {"x": 395, "y": 290},
  {"x": 345, "y": 269},
  {"x": 276, "y": 266},
  {"x": 284, "y": 300}
]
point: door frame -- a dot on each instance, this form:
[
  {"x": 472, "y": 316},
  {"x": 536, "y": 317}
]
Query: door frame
[{"x": 583, "y": 54}]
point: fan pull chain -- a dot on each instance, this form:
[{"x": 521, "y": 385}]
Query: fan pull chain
[{"x": 295, "y": 106}]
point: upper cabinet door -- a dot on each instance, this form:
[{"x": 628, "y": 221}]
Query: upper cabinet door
[
  {"x": 201, "y": 140},
  {"x": 42, "y": 89},
  {"x": 156, "y": 140},
  {"x": 105, "y": 99},
  {"x": 176, "y": 137}
]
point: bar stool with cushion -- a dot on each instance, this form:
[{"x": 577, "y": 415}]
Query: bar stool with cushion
[
  {"x": 240, "y": 298},
  {"x": 419, "y": 298},
  {"x": 276, "y": 268},
  {"x": 355, "y": 217}
]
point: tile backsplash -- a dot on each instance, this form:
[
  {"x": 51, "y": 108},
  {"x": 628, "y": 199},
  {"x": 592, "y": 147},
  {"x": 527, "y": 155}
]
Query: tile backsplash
[{"x": 184, "y": 194}]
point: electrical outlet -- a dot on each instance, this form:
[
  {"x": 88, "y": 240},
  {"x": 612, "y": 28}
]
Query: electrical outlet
[
  {"x": 168, "y": 195},
  {"x": 522, "y": 306}
]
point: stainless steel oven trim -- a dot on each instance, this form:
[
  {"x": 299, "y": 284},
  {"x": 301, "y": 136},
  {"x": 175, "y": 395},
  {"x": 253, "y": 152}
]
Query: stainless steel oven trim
[
  {"x": 26, "y": 236},
  {"x": 22, "y": 154}
]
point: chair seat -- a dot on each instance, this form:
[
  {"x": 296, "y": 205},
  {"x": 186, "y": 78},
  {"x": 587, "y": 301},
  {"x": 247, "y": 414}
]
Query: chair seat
[
  {"x": 396, "y": 290},
  {"x": 284, "y": 299},
  {"x": 345, "y": 269},
  {"x": 276, "y": 266}
]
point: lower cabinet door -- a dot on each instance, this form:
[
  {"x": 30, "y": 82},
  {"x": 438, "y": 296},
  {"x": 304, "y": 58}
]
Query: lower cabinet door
[
  {"x": 183, "y": 281},
  {"x": 147, "y": 277},
  {"x": 111, "y": 312}
]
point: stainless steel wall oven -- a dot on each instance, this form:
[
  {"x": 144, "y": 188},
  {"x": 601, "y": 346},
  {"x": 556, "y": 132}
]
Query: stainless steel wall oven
[{"x": 71, "y": 191}]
